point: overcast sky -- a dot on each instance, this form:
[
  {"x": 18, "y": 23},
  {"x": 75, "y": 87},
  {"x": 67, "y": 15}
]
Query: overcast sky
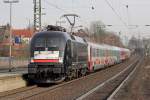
[{"x": 138, "y": 13}]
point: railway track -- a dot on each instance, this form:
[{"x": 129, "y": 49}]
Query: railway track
[
  {"x": 72, "y": 89},
  {"x": 116, "y": 90},
  {"x": 108, "y": 89}
]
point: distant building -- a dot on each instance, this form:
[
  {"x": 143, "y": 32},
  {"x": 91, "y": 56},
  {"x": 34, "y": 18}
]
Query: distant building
[
  {"x": 22, "y": 35},
  {"x": 20, "y": 41},
  {"x": 18, "y": 35}
]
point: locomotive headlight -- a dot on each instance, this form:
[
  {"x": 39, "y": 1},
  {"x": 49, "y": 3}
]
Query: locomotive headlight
[{"x": 31, "y": 60}]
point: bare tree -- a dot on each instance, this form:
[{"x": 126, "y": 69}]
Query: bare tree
[{"x": 99, "y": 34}]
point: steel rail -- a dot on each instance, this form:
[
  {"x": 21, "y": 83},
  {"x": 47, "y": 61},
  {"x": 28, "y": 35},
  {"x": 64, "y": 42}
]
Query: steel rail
[
  {"x": 102, "y": 84},
  {"x": 111, "y": 96}
]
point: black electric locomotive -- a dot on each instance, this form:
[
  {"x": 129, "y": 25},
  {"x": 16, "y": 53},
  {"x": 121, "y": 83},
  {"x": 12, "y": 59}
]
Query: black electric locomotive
[{"x": 56, "y": 56}]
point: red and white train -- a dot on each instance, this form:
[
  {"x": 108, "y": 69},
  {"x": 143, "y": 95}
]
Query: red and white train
[{"x": 102, "y": 55}]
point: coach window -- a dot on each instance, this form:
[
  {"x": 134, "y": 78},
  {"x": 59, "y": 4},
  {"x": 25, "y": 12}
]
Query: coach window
[
  {"x": 109, "y": 52},
  {"x": 105, "y": 54},
  {"x": 93, "y": 52},
  {"x": 101, "y": 52},
  {"x": 97, "y": 53},
  {"x": 113, "y": 52}
]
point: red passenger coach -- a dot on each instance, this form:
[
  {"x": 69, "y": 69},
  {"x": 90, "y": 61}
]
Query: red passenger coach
[
  {"x": 102, "y": 55},
  {"x": 124, "y": 54}
]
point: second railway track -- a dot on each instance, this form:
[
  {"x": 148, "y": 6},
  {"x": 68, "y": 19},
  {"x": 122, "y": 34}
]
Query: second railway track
[
  {"x": 67, "y": 90},
  {"x": 108, "y": 89},
  {"x": 116, "y": 90}
]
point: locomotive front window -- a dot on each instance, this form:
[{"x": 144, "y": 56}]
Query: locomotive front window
[
  {"x": 55, "y": 42},
  {"x": 49, "y": 47},
  {"x": 40, "y": 42},
  {"x": 50, "y": 42}
]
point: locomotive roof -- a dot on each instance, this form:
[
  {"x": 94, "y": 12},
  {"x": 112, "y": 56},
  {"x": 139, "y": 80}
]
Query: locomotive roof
[
  {"x": 50, "y": 32},
  {"x": 59, "y": 33}
]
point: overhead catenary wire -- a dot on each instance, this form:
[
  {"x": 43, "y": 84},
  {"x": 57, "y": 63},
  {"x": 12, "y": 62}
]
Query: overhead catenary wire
[
  {"x": 55, "y": 6},
  {"x": 59, "y": 8},
  {"x": 119, "y": 17}
]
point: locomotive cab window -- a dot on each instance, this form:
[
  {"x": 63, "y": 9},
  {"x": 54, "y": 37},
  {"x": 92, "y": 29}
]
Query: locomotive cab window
[
  {"x": 50, "y": 42},
  {"x": 55, "y": 42},
  {"x": 40, "y": 42},
  {"x": 49, "y": 46}
]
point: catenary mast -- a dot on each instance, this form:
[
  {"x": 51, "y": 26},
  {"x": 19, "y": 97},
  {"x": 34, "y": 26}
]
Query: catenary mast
[{"x": 37, "y": 15}]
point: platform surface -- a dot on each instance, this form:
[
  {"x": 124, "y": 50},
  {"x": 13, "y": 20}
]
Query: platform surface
[
  {"x": 16, "y": 78},
  {"x": 7, "y": 74}
]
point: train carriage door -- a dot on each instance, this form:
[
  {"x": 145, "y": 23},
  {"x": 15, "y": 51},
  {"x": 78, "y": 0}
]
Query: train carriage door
[{"x": 90, "y": 58}]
